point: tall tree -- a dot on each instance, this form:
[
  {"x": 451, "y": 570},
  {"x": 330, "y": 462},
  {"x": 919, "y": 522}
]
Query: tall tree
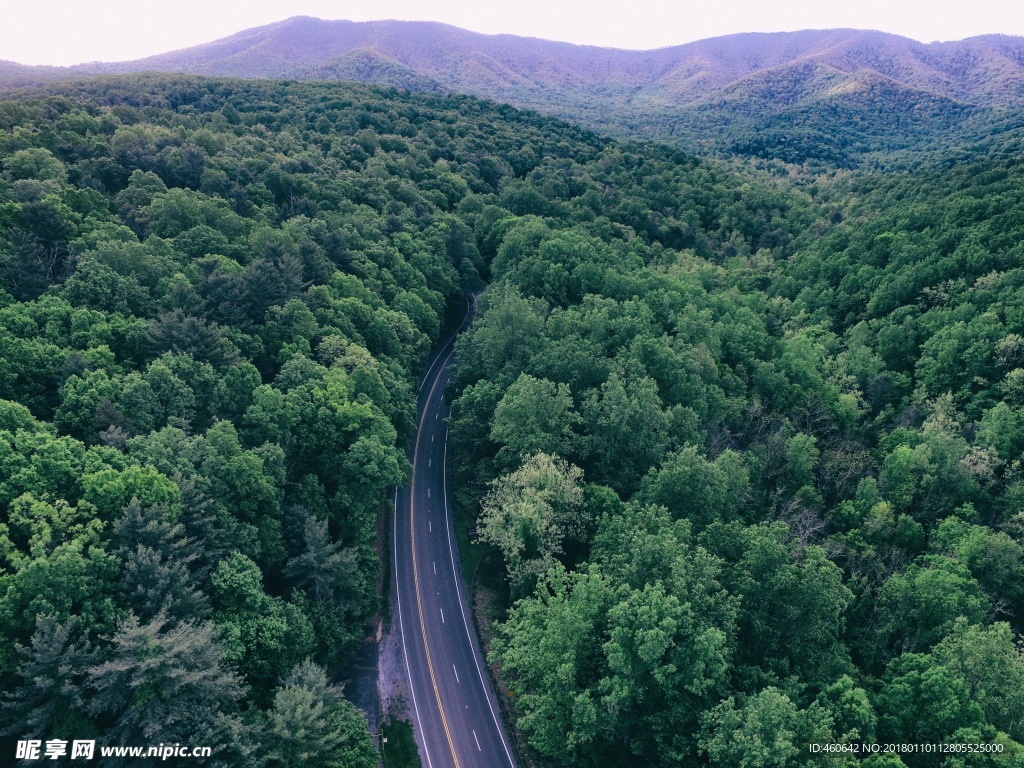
[
  {"x": 529, "y": 514},
  {"x": 52, "y": 695},
  {"x": 161, "y": 683},
  {"x": 535, "y": 416},
  {"x": 311, "y": 724},
  {"x": 326, "y": 570}
]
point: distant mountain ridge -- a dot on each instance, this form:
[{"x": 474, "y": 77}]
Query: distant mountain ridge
[{"x": 715, "y": 93}]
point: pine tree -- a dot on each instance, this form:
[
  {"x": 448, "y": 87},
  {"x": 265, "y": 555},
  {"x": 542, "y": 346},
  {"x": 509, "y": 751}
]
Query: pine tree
[
  {"x": 157, "y": 556},
  {"x": 50, "y": 697},
  {"x": 163, "y": 683},
  {"x": 325, "y": 570},
  {"x": 311, "y": 724}
]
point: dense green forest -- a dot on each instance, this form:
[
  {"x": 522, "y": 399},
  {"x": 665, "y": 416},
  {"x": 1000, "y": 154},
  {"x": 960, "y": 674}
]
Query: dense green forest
[
  {"x": 761, "y": 488},
  {"x": 748, "y": 453},
  {"x": 216, "y": 300}
]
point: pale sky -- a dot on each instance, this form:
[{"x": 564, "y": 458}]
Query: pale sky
[{"x": 75, "y": 31}]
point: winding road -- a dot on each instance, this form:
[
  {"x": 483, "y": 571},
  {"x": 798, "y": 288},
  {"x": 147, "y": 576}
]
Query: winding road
[{"x": 454, "y": 710}]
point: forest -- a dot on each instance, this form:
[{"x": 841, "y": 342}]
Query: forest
[
  {"x": 761, "y": 495},
  {"x": 743, "y": 443}
]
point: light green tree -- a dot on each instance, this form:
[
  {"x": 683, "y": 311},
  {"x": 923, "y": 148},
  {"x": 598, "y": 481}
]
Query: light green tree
[{"x": 529, "y": 513}]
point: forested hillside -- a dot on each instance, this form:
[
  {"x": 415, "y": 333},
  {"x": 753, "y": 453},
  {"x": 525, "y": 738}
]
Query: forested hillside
[
  {"x": 759, "y": 491},
  {"x": 823, "y": 97},
  {"x": 216, "y": 298},
  {"x": 747, "y": 455}
]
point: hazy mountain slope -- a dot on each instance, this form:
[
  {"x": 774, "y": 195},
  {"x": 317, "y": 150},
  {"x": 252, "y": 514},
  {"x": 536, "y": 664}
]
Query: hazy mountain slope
[
  {"x": 985, "y": 70},
  {"x": 14, "y": 74},
  {"x": 733, "y": 93},
  {"x": 432, "y": 49}
]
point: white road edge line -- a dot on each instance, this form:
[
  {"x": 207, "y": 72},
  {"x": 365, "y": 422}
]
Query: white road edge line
[
  {"x": 465, "y": 621},
  {"x": 401, "y": 628}
]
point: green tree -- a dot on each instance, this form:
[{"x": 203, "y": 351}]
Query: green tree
[
  {"x": 615, "y": 663},
  {"x": 535, "y": 416},
  {"x": 994, "y": 558},
  {"x": 310, "y": 723},
  {"x": 157, "y": 577},
  {"x": 530, "y": 513},
  {"x": 990, "y": 661},
  {"x": 52, "y": 696},
  {"x": 850, "y": 707},
  {"x": 917, "y": 607},
  {"x": 508, "y": 332},
  {"x": 696, "y": 489},
  {"x": 921, "y": 702},
  {"x": 77, "y": 578},
  {"x": 628, "y": 431},
  {"x": 160, "y": 683},
  {"x": 34, "y": 163},
  {"x": 262, "y": 635},
  {"x": 325, "y": 570},
  {"x": 794, "y": 604},
  {"x": 764, "y": 730},
  {"x": 110, "y": 490}
]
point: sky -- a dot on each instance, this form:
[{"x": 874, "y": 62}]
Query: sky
[{"x": 72, "y": 31}]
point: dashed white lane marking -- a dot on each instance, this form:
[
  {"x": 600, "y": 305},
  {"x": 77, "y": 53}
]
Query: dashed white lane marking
[
  {"x": 456, "y": 675},
  {"x": 442, "y": 614},
  {"x": 435, "y": 569},
  {"x": 428, "y": 493},
  {"x": 477, "y": 742},
  {"x": 430, "y": 463},
  {"x": 432, "y": 438},
  {"x": 430, "y": 527},
  {"x": 436, "y": 415}
]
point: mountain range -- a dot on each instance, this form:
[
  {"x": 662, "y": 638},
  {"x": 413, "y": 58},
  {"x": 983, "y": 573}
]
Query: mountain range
[{"x": 827, "y": 95}]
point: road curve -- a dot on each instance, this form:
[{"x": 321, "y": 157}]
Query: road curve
[{"x": 455, "y": 713}]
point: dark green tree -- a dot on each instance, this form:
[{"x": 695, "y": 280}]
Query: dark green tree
[{"x": 310, "y": 722}]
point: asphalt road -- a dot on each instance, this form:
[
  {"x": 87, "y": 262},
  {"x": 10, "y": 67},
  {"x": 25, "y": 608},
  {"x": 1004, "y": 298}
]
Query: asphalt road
[{"x": 454, "y": 710}]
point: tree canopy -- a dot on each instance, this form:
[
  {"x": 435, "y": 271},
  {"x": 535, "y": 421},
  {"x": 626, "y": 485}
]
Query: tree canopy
[{"x": 746, "y": 446}]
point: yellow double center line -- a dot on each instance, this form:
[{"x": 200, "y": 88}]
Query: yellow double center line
[{"x": 415, "y": 570}]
